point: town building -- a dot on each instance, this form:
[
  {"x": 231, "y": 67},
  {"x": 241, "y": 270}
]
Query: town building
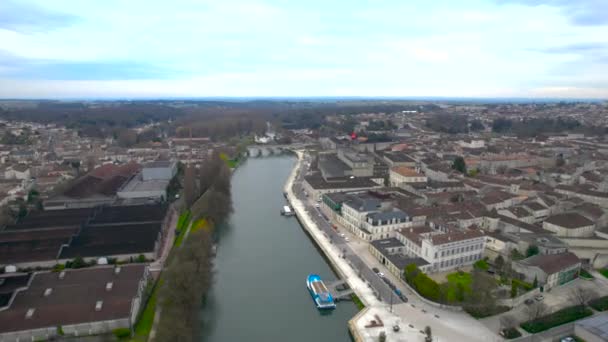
[
  {"x": 402, "y": 174},
  {"x": 390, "y": 252},
  {"x": 443, "y": 251},
  {"x": 88, "y": 301},
  {"x": 569, "y": 225},
  {"x": 549, "y": 270}
]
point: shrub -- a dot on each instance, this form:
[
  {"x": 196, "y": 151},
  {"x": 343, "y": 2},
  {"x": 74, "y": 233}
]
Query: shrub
[
  {"x": 482, "y": 311},
  {"x": 121, "y": 333},
  {"x": 58, "y": 267},
  {"x": 560, "y": 317},
  {"x": 481, "y": 265},
  {"x": 522, "y": 284},
  {"x": 424, "y": 285},
  {"x": 585, "y": 274},
  {"x": 511, "y": 333},
  {"x": 599, "y": 304},
  {"x": 358, "y": 302}
]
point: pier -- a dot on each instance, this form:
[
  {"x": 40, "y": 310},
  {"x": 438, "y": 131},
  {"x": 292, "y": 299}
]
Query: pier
[{"x": 340, "y": 290}]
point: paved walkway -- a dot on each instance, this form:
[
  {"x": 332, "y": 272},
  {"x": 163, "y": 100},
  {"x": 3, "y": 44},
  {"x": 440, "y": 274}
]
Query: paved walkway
[{"x": 446, "y": 325}]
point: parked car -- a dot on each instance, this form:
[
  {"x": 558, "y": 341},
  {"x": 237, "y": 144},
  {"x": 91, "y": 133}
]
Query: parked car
[
  {"x": 375, "y": 269},
  {"x": 568, "y": 339},
  {"x": 380, "y": 274},
  {"x": 346, "y": 239},
  {"x": 539, "y": 297},
  {"x": 529, "y": 301},
  {"x": 342, "y": 235}
]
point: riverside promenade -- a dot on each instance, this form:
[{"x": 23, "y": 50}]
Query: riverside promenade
[
  {"x": 374, "y": 308},
  {"x": 377, "y": 316}
]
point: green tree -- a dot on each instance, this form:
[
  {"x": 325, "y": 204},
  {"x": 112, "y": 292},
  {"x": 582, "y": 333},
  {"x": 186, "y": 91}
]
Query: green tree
[
  {"x": 513, "y": 290},
  {"x": 78, "y": 262},
  {"x": 535, "y": 282},
  {"x": 516, "y": 254},
  {"x": 459, "y": 165},
  {"x": 532, "y": 250}
]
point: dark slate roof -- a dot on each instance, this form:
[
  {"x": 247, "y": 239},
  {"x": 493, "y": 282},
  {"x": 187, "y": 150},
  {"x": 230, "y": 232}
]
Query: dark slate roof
[
  {"x": 569, "y": 220},
  {"x": 387, "y": 243},
  {"x": 316, "y": 181},
  {"x": 552, "y": 263},
  {"x": 73, "y": 298},
  {"x": 111, "y": 240},
  {"x": 388, "y": 215}
]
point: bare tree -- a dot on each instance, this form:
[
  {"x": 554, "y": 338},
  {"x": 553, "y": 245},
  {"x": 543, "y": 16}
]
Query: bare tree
[
  {"x": 581, "y": 296},
  {"x": 189, "y": 185},
  {"x": 507, "y": 322},
  {"x": 429, "y": 334},
  {"x": 187, "y": 279},
  {"x": 536, "y": 310}
]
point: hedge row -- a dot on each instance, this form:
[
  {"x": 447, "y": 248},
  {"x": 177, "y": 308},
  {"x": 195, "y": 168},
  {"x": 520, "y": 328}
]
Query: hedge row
[
  {"x": 599, "y": 304},
  {"x": 560, "y": 317}
]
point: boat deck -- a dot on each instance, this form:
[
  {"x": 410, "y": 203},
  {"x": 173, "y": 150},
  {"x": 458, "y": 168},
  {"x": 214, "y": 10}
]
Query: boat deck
[{"x": 319, "y": 287}]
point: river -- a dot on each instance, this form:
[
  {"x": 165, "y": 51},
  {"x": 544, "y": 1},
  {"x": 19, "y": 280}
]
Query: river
[{"x": 259, "y": 291}]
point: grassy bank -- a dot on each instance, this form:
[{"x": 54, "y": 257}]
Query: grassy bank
[{"x": 358, "y": 302}]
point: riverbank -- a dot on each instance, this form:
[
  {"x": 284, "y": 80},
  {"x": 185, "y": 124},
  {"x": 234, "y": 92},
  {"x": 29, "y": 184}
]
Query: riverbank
[
  {"x": 261, "y": 266},
  {"x": 375, "y": 310}
]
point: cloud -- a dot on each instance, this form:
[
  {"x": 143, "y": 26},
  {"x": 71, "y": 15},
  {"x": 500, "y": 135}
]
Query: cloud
[
  {"x": 275, "y": 47},
  {"x": 44, "y": 69},
  {"x": 570, "y": 92},
  {"x": 580, "y": 12},
  {"x": 27, "y": 18}
]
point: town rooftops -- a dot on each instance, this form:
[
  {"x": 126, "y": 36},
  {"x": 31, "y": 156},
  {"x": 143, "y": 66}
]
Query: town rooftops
[
  {"x": 51, "y": 300},
  {"x": 455, "y": 236},
  {"x": 569, "y": 220},
  {"x": 552, "y": 263},
  {"x": 317, "y": 182},
  {"x": 388, "y": 216},
  {"x": 158, "y": 164},
  {"x": 406, "y": 171},
  {"x": 386, "y": 243},
  {"x": 363, "y": 203},
  {"x": 398, "y": 157}
]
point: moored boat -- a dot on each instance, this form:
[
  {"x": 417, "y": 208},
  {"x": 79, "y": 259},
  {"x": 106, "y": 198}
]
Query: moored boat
[
  {"x": 319, "y": 292},
  {"x": 287, "y": 211}
]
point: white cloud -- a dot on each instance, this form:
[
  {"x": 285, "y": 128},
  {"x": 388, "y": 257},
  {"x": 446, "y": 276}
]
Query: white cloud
[{"x": 271, "y": 48}]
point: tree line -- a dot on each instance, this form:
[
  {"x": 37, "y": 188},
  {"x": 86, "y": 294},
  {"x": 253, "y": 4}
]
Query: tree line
[
  {"x": 189, "y": 274},
  {"x": 532, "y": 127}
]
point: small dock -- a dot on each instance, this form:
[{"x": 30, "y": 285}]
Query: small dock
[{"x": 340, "y": 290}]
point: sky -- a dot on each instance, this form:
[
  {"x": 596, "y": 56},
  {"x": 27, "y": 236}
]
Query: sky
[{"x": 294, "y": 48}]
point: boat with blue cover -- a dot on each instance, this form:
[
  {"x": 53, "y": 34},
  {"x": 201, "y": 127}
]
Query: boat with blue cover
[{"x": 319, "y": 292}]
